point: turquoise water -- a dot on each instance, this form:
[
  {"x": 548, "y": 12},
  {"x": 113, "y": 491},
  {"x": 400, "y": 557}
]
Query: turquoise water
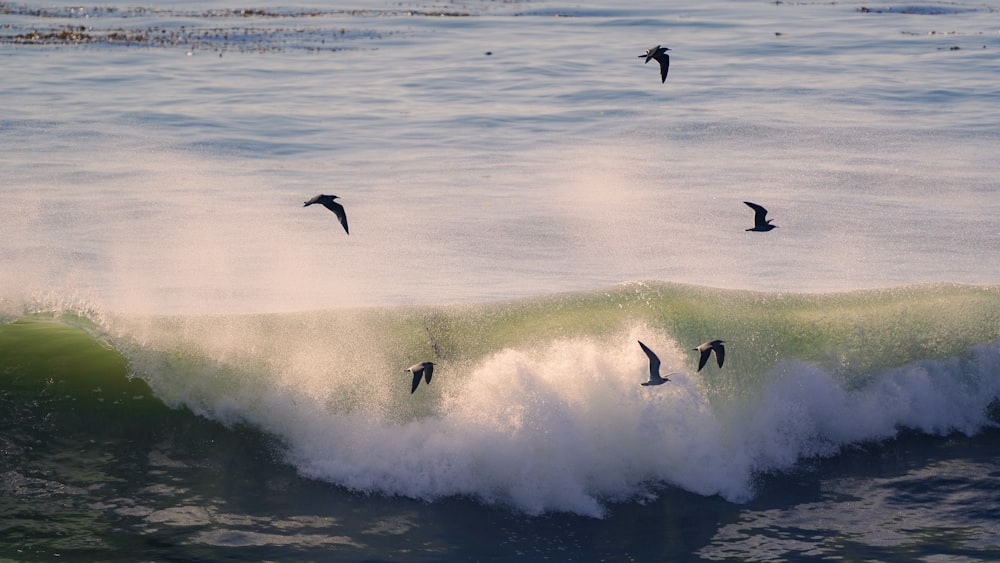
[{"x": 197, "y": 368}]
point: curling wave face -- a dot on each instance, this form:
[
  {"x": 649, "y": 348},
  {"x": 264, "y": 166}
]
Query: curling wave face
[{"x": 537, "y": 403}]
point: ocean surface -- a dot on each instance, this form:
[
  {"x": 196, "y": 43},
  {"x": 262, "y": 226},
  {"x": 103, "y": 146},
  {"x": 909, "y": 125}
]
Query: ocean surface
[{"x": 195, "y": 367}]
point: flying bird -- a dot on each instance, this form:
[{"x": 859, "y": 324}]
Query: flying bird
[
  {"x": 654, "y": 367},
  {"x": 661, "y": 56},
  {"x": 327, "y": 201},
  {"x": 760, "y": 224},
  {"x": 424, "y": 369},
  {"x": 706, "y": 350}
]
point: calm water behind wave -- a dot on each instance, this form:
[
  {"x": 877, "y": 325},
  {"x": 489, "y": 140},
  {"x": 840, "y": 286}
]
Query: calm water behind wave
[{"x": 520, "y": 149}]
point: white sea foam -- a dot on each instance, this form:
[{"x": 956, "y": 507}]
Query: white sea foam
[{"x": 561, "y": 425}]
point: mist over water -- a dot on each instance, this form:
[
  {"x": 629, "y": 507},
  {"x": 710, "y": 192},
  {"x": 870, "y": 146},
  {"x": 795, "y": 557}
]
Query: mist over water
[
  {"x": 551, "y": 164},
  {"x": 177, "y": 231}
]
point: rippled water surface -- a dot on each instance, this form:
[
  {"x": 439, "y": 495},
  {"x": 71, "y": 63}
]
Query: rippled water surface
[{"x": 498, "y": 149}]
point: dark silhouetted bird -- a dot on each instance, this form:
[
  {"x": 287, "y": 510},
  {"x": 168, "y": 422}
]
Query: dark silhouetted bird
[
  {"x": 425, "y": 369},
  {"x": 661, "y": 56},
  {"x": 327, "y": 202},
  {"x": 759, "y": 222},
  {"x": 706, "y": 350}
]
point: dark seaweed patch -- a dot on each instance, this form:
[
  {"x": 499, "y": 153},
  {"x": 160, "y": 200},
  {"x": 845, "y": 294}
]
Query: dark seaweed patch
[
  {"x": 918, "y": 10},
  {"x": 241, "y": 30},
  {"x": 138, "y": 11},
  {"x": 215, "y": 38}
]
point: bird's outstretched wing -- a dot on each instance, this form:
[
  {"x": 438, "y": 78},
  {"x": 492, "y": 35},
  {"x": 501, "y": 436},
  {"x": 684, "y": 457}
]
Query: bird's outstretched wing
[
  {"x": 664, "y": 60},
  {"x": 759, "y": 213},
  {"x": 339, "y": 211},
  {"x": 654, "y": 361},
  {"x": 704, "y": 358},
  {"x": 720, "y": 353}
]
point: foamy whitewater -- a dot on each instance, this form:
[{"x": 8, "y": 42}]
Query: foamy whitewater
[
  {"x": 538, "y": 405},
  {"x": 192, "y": 356}
]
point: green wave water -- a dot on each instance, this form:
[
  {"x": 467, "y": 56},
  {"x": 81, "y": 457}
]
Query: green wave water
[
  {"x": 857, "y": 331},
  {"x": 536, "y": 403}
]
